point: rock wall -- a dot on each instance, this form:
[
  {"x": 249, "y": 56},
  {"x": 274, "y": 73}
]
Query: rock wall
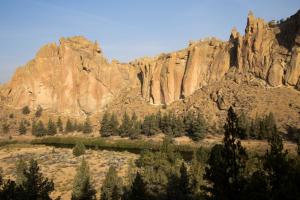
[
  {"x": 71, "y": 78},
  {"x": 75, "y": 78}
]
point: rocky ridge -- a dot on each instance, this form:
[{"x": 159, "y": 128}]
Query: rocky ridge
[{"x": 74, "y": 77}]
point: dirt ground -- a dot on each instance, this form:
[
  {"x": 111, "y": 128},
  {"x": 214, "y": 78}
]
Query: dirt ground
[{"x": 60, "y": 165}]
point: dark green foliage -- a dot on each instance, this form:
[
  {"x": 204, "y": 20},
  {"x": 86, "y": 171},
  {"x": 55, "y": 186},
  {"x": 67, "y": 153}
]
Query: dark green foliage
[
  {"x": 35, "y": 185},
  {"x": 138, "y": 189},
  {"x": 22, "y": 128},
  {"x": 69, "y": 126},
  {"x": 171, "y": 124},
  {"x": 150, "y": 125},
  {"x": 226, "y": 164},
  {"x": 245, "y": 126},
  {"x": 111, "y": 187},
  {"x": 38, "y": 129},
  {"x": 179, "y": 187},
  {"x": 82, "y": 187},
  {"x": 87, "y": 128},
  {"x": 5, "y": 127},
  {"x": 79, "y": 149},
  {"x": 298, "y": 147},
  {"x": 109, "y": 125},
  {"x": 51, "y": 128},
  {"x": 195, "y": 126},
  {"x": 39, "y": 111},
  {"x": 59, "y": 124},
  {"x": 126, "y": 126},
  {"x": 25, "y": 110},
  {"x": 21, "y": 167}
]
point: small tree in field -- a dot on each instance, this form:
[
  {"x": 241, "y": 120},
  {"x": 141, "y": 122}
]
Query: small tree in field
[
  {"x": 82, "y": 187},
  {"x": 79, "y": 149}
]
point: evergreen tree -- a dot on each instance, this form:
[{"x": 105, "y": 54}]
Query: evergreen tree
[
  {"x": 79, "y": 149},
  {"x": 59, "y": 124},
  {"x": 138, "y": 188},
  {"x": 111, "y": 187},
  {"x": 25, "y": 110},
  {"x": 87, "y": 128},
  {"x": 40, "y": 129},
  {"x": 35, "y": 185},
  {"x": 22, "y": 128},
  {"x": 298, "y": 146},
  {"x": 51, "y": 128},
  {"x": 104, "y": 125},
  {"x": 113, "y": 125},
  {"x": 5, "y": 127},
  {"x": 33, "y": 128},
  {"x": 39, "y": 111},
  {"x": 69, "y": 126},
  {"x": 21, "y": 167},
  {"x": 150, "y": 125},
  {"x": 125, "y": 126},
  {"x": 82, "y": 187},
  {"x": 226, "y": 164},
  {"x": 244, "y": 125}
]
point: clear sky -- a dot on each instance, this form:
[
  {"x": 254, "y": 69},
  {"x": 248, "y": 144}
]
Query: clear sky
[{"x": 124, "y": 29}]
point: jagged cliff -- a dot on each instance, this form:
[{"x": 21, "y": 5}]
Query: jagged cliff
[
  {"x": 269, "y": 51},
  {"x": 72, "y": 78},
  {"x": 75, "y": 78}
]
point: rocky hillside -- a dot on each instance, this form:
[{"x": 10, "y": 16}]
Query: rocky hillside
[{"x": 74, "y": 78}]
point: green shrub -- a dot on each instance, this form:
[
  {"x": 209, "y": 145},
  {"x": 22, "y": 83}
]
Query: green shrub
[
  {"x": 25, "y": 110},
  {"x": 79, "y": 149}
]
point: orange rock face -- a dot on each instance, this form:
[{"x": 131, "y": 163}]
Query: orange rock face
[{"x": 74, "y": 77}]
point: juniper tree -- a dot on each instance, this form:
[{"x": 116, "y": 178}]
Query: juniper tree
[
  {"x": 138, "y": 189},
  {"x": 39, "y": 111},
  {"x": 40, "y": 129},
  {"x": 226, "y": 164},
  {"x": 35, "y": 186},
  {"x": 112, "y": 184},
  {"x": 82, "y": 187},
  {"x": 21, "y": 167},
  {"x": 51, "y": 127},
  {"x": 59, "y": 124},
  {"x": 22, "y": 128},
  {"x": 79, "y": 149},
  {"x": 87, "y": 128},
  {"x": 125, "y": 126},
  {"x": 113, "y": 124},
  {"x": 69, "y": 126},
  {"x": 104, "y": 125}
]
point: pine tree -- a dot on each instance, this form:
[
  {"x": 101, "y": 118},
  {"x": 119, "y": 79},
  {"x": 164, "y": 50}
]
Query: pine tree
[
  {"x": 51, "y": 128},
  {"x": 25, "y": 110},
  {"x": 184, "y": 183},
  {"x": 150, "y": 125},
  {"x": 104, "y": 125},
  {"x": 226, "y": 164},
  {"x": 22, "y": 128},
  {"x": 138, "y": 189},
  {"x": 40, "y": 129},
  {"x": 113, "y": 125},
  {"x": 125, "y": 126},
  {"x": 79, "y": 149},
  {"x": 111, "y": 187},
  {"x": 59, "y": 124},
  {"x": 69, "y": 126},
  {"x": 39, "y": 111},
  {"x": 33, "y": 128},
  {"x": 82, "y": 187},
  {"x": 87, "y": 128},
  {"x": 35, "y": 185},
  {"x": 21, "y": 167},
  {"x": 198, "y": 128}
]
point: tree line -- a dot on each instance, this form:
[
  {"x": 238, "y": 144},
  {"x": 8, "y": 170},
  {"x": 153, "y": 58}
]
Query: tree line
[
  {"x": 227, "y": 171},
  {"x": 51, "y": 128},
  {"x": 191, "y": 124}
]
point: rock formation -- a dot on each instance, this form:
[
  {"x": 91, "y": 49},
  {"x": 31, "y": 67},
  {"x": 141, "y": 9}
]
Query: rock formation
[
  {"x": 72, "y": 78},
  {"x": 75, "y": 78}
]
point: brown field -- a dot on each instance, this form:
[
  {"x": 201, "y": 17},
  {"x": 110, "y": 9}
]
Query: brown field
[{"x": 60, "y": 165}]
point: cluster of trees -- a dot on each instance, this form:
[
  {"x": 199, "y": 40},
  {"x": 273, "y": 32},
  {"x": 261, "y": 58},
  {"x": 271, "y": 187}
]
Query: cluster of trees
[
  {"x": 30, "y": 183},
  {"x": 258, "y": 128},
  {"x": 191, "y": 124},
  {"x": 39, "y": 129}
]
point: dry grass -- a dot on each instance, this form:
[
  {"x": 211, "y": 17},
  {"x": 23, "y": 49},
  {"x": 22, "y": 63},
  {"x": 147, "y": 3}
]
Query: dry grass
[{"x": 60, "y": 165}]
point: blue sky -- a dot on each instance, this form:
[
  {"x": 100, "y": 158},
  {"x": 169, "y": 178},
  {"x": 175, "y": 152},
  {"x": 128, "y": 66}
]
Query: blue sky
[{"x": 124, "y": 29}]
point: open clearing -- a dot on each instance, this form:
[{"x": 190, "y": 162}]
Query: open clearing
[{"x": 60, "y": 164}]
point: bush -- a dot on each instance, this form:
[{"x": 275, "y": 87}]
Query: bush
[
  {"x": 39, "y": 111},
  {"x": 25, "y": 110},
  {"x": 79, "y": 149}
]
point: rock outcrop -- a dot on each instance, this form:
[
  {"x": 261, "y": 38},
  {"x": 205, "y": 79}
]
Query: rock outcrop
[
  {"x": 75, "y": 78},
  {"x": 72, "y": 78}
]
